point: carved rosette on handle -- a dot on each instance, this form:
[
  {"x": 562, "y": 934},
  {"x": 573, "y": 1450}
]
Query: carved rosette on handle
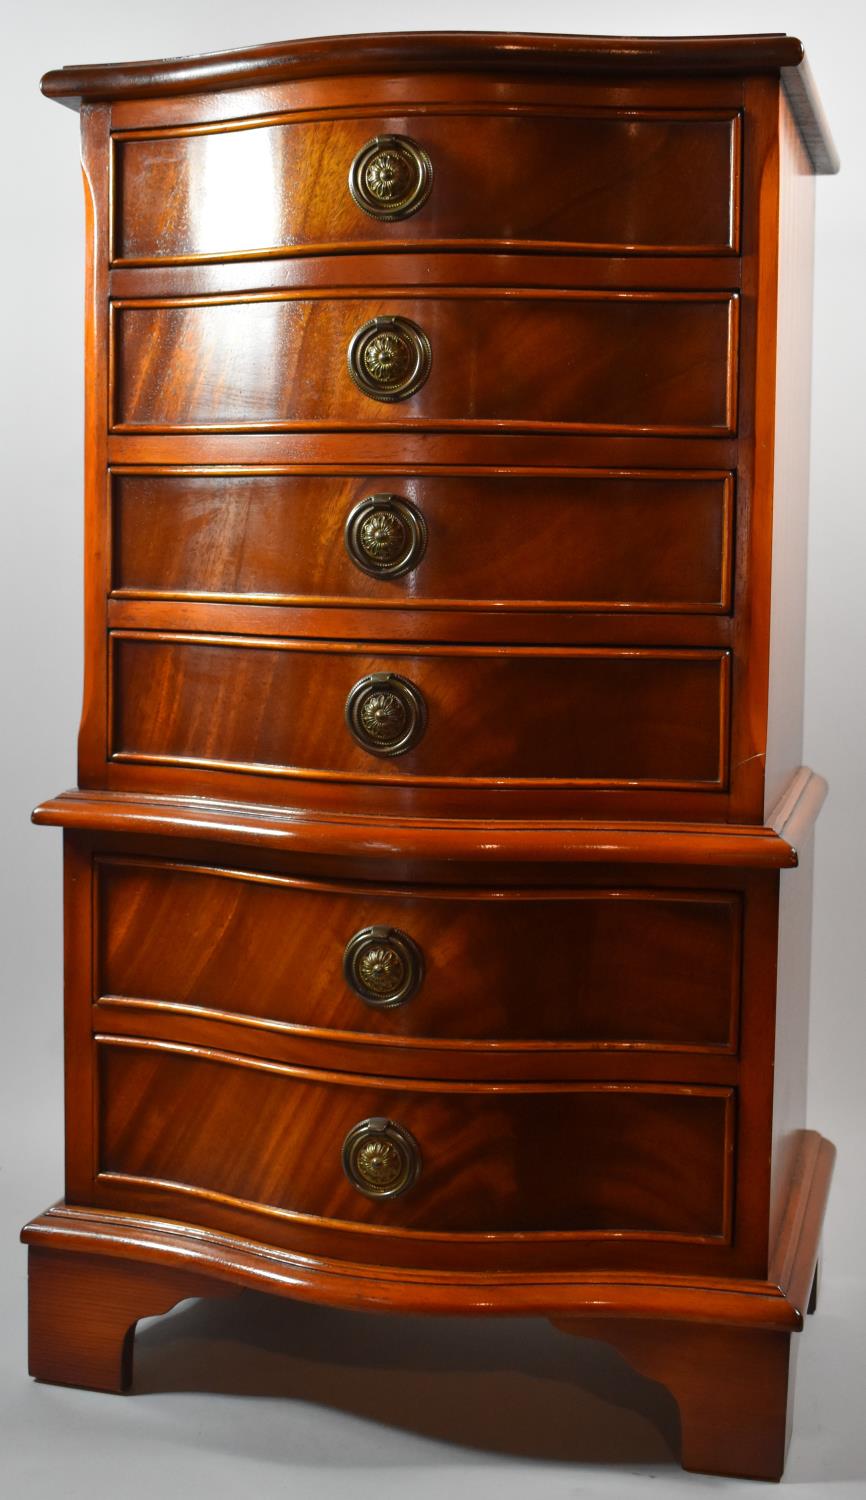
[
  {"x": 389, "y": 358},
  {"x": 386, "y": 714},
  {"x": 385, "y": 536},
  {"x": 384, "y": 966},
  {"x": 380, "y": 1158},
  {"x": 391, "y": 178}
]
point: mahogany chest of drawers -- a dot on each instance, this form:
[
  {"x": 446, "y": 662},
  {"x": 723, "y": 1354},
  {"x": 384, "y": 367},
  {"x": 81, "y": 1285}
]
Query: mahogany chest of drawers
[{"x": 437, "y": 881}]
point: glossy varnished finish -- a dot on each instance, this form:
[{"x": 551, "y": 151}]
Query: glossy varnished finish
[
  {"x": 731, "y": 1387},
  {"x": 712, "y": 557},
  {"x": 439, "y": 844},
  {"x": 83, "y": 1312},
  {"x": 645, "y": 184},
  {"x": 631, "y": 362},
  {"x": 624, "y": 967},
  {"x": 641, "y": 542},
  {"x": 161, "y": 1107},
  {"x": 522, "y": 715},
  {"x": 738, "y": 1071},
  {"x": 720, "y": 1346},
  {"x": 458, "y": 51},
  {"x": 426, "y": 941}
]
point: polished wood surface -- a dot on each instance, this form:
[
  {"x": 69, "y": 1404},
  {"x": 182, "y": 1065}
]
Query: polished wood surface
[
  {"x": 485, "y": 1170},
  {"x": 457, "y": 51},
  {"x": 583, "y": 862},
  {"x": 645, "y": 184},
  {"x": 478, "y": 845},
  {"x": 636, "y": 362},
  {"x": 592, "y": 1291},
  {"x": 731, "y": 1387},
  {"x": 611, "y": 717},
  {"x": 741, "y": 1075},
  {"x": 603, "y": 541},
  {"x": 502, "y": 266},
  {"x": 624, "y": 967},
  {"x": 142, "y": 1261},
  {"x": 83, "y": 1312}
]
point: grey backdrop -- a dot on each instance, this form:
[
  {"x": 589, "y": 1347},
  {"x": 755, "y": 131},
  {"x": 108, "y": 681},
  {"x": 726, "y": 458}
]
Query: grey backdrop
[{"x": 467, "y": 1407}]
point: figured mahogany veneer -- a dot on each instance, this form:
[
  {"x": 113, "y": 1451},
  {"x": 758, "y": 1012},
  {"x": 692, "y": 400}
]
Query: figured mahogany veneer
[
  {"x": 600, "y": 541},
  {"x": 636, "y": 182},
  {"x": 627, "y": 362},
  {"x": 493, "y": 716},
  {"x": 484, "y": 1170},
  {"x": 545, "y": 970},
  {"x": 627, "y": 967}
]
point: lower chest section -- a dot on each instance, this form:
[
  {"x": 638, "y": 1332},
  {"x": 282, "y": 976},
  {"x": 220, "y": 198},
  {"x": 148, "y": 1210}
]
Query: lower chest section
[{"x": 519, "y": 1074}]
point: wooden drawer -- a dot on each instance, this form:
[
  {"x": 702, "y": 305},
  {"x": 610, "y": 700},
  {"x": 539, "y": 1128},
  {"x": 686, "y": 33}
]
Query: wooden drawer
[
  {"x": 582, "y": 968},
  {"x": 627, "y": 362},
  {"x": 593, "y": 540},
  {"x": 624, "y": 180},
  {"x": 477, "y": 716},
  {"x": 586, "y": 1159}
]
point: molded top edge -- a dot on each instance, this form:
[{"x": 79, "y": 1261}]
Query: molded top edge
[
  {"x": 308, "y": 57},
  {"x": 460, "y": 51}
]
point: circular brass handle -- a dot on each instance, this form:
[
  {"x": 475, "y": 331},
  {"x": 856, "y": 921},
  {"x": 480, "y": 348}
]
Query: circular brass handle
[
  {"x": 386, "y": 714},
  {"x": 385, "y": 536},
  {"x": 391, "y": 177},
  {"x": 380, "y": 1158},
  {"x": 389, "y": 358},
  {"x": 383, "y": 966}
]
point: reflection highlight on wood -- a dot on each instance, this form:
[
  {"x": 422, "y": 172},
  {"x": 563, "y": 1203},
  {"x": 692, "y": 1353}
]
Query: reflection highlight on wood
[{"x": 593, "y": 859}]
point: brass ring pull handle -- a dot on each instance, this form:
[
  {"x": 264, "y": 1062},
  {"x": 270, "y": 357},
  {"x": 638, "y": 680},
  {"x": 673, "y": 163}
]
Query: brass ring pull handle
[
  {"x": 391, "y": 177},
  {"x": 385, "y": 536},
  {"x": 383, "y": 966},
  {"x": 389, "y": 358},
  {"x": 386, "y": 714},
  {"x": 380, "y": 1158}
]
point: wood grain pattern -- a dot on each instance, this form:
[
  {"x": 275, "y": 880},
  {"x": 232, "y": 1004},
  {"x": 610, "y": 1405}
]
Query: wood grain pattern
[
  {"x": 594, "y": 967},
  {"x": 644, "y": 183},
  {"x": 474, "y": 843},
  {"x": 590, "y": 541},
  {"x": 92, "y": 1273},
  {"x": 342, "y": 1060},
  {"x": 612, "y": 717},
  {"x": 492, "y": 1158},
  {"x": 731, "y": 1387},
  {"x": 707, "y": 1298},
  {"x": 630, "y": 362},
  {"x": 603, "y": 1061},
  {"x": 412, "y": 267},
  {"x": 83, "y": 1312}
]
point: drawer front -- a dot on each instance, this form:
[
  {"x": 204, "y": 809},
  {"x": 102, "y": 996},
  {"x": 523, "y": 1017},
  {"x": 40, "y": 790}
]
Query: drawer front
[
  {"x": 587, "y": 361},
  {"x": 433, "y": 715},
  {"x": 623, "y": 1159},
  {"x": 594, "y": 967},
  {"x": 643, "y": 541},
  {"x": 626, "y": 181}
]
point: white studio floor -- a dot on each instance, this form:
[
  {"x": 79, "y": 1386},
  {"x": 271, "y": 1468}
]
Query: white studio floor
[{"x": 258, "y": 1397}]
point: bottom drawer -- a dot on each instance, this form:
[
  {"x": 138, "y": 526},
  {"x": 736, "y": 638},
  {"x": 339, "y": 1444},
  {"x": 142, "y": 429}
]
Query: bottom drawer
[{"x": 625, "y": 1159}]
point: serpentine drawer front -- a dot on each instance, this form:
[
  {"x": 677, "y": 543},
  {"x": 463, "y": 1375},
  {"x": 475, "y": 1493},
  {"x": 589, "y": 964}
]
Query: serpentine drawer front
[
  {"x": 627, "y": 362},
  {"x": 474, "y": 1164},
  {"x": 632, "y": 181},
  {"x": 591, "y": 967},
  {"x": 434, "y": 937},
  {"x": 601, "y": 541},
  {"x": 436, "y": 714}
]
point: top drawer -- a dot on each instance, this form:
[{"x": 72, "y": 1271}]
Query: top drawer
[{"x": 624, "y": 181}]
